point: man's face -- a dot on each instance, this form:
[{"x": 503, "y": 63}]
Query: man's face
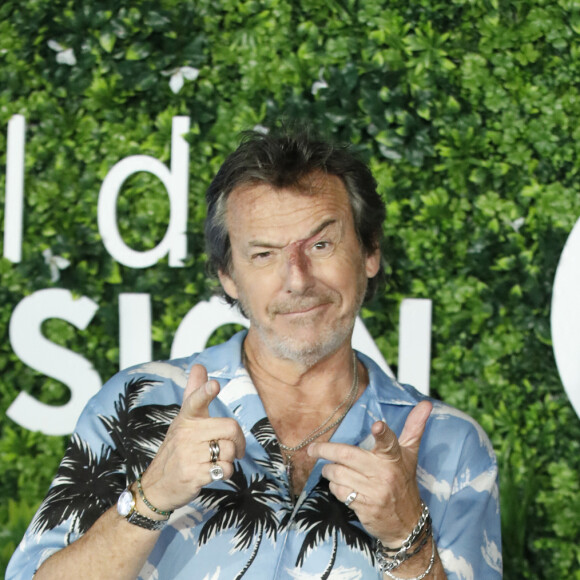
[{"x": 298, "y": 269}]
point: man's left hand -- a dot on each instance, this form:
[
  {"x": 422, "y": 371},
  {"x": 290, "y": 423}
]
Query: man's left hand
[{"x": 387, "y": 502}]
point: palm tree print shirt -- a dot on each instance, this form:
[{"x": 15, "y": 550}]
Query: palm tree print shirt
[{"x": 249, "y": 526}]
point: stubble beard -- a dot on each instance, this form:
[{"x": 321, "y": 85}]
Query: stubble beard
[{"x": 329, "y": 337}]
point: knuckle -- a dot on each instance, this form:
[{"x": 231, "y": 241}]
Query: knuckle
[
  {"x": 329, "y": 471},
  {"x": 231, "y": 429},
  {"x": 333, "y": 487},
  {"x": 227, "y": 450},
  {"x": 347, "y": 454}
]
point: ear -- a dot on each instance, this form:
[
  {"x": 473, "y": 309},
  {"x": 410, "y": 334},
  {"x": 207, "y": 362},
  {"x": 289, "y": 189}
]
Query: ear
[
  {"x": 373, "y": 263},
  {"x": 228, "y": 285}
]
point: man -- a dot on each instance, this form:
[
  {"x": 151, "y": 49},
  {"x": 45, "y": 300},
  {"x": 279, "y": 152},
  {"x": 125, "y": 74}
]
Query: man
[{"x": 282, "y": 453}]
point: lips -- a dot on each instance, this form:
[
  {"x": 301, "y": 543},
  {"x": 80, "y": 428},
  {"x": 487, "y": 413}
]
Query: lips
[
  {"x": 301, "y": 307},
  {"x": 302, "y": 311}
]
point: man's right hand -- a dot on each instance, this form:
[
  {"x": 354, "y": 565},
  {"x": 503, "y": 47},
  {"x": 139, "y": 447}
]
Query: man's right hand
[
  {"x": 115, "y": 549},
  {"x": 181, "y": 467}
]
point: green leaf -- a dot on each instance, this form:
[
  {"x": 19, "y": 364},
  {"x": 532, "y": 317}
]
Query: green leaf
[{"x": 107, "y": 40}]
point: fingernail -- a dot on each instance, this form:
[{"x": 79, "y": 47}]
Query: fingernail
[{"x": 209, "y": 388}]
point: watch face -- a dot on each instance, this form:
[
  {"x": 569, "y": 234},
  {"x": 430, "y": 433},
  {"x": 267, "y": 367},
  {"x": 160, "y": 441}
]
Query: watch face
[{"x": 125, "y": 503}]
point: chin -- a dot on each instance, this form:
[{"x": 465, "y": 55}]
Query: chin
[{"x": 310, "y": 351}]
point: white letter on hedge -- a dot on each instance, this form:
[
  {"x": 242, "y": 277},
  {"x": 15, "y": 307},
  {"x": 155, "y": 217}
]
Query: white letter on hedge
[
  {"x": 53, "y": 360},
  {"x": 565, "y": 317},
  {"x": 200, "y": 323},
  {"x": 14, "y": 189},
  {"x": 134, "y": 329},
  {"x": 415, "y": 343},
  {"x": 175, "y": 180}
]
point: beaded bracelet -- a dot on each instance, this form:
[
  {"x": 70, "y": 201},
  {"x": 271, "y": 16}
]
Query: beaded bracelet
[{"x": 148, "y": 503}]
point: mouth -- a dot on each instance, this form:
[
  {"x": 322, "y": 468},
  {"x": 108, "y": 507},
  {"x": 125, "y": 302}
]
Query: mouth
[{"x": 300, "y": 310}]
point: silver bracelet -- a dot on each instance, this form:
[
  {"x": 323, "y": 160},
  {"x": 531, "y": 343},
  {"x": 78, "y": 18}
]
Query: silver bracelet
[
  {"x": 391, "y": 558},
  {"x": 415, "y": 532},
  {"x": 421, "y": 576}
]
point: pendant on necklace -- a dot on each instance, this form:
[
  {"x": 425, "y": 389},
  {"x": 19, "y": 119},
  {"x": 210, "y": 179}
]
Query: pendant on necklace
[
  {"x": 289, "y": 473},
  {"x": 289, "y": 467}
]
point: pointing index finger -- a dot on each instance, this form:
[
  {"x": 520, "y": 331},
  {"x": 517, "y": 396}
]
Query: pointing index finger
[
  {"x": 198, "y": 394},
  {"x": 336, "y": 452}
]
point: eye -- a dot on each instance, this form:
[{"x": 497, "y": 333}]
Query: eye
[
  {"x": 261, "y": 256},
  {"x": 321, "y": 246}
]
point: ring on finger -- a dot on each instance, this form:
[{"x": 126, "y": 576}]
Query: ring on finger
[
  {"x": 350, "y": 498},
  {"x": 214, "y": 451},
  {"x": 215, "y": 471}
]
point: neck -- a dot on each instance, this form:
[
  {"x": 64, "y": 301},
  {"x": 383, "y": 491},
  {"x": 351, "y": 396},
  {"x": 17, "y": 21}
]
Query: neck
[
  {"x": 298, "y": 398},
  {"x": 304, "y": 403},
  {"x": 296, "y": 378}
]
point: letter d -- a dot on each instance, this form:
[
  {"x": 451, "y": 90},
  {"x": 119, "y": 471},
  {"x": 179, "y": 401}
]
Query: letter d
[{"x": 175, "y": 180}]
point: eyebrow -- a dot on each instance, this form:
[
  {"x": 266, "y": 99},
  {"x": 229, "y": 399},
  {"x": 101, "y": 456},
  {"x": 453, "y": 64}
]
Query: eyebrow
[{"x": 317, "y": 230}]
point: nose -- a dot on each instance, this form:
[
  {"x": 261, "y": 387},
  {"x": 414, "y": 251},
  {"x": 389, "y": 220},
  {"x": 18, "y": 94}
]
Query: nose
[{"x": 297, "y": 270}]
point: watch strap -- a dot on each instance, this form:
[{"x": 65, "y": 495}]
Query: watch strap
[
  {"x": 144, "y": 522},
  {"x": 126, "y": 508}
]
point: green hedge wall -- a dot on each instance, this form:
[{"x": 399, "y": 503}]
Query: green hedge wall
[{"x": 469, "y": 114}]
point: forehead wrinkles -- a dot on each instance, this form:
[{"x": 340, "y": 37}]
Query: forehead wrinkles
[
  {"x": 254, "y": 197},
  {"x": 286, "y": 226},
  {"x": 313, "y": 184}
]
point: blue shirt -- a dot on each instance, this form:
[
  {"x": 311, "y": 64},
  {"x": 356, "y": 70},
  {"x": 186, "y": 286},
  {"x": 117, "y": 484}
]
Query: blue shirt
[{"x": 248, "y": 525}]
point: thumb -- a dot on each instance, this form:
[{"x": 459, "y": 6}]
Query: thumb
[
  {"x": 385, "y": 440},
  {"x": 198, "y": 394},
  {"x": 415, "y": 427}
]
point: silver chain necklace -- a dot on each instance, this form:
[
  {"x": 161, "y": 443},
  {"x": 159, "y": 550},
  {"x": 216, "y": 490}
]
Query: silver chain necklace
[
  {"x": 321, "y": 429},
  {"x": 325, "y": 427}
]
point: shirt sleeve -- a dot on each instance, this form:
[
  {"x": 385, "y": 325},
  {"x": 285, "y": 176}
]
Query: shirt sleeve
[
  {"x": 88, "y": 481},
  {"x": 459, "y": 481},
  {"x": 116, "y": 437}
]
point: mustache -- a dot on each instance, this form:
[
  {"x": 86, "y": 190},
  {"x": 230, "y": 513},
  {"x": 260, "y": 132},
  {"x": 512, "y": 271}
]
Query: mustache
[{"x": 300, "y": 303}]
